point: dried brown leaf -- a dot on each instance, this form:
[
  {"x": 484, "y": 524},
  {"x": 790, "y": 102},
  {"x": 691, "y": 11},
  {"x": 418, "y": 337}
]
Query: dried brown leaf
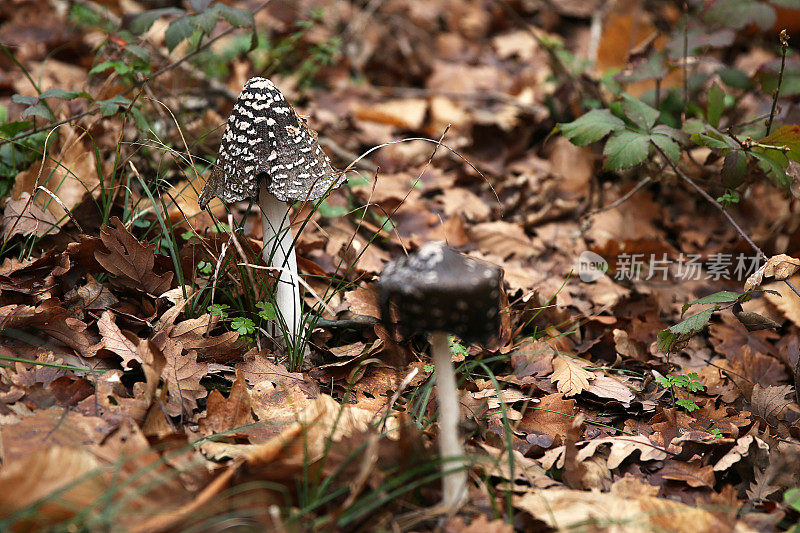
[
  {"x": 116, "y": 341},
  {"x": 569, "y": 376},
  {"x": 24, "y": 217},
  {"x": 130, "y": 260}
]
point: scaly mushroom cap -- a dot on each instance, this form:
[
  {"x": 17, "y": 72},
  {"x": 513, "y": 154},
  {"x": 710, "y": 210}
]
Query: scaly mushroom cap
[
  {"x": 439, "y": 289},
  {"x": 265, "y": 137}
]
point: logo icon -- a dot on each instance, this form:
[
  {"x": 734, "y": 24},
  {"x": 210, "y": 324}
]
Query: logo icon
[{"x": 591, "y": 266}]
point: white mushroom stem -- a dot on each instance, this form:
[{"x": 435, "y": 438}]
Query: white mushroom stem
[
  {"x": 278, "y": 252},
  {"x": 454, "y": 483}
]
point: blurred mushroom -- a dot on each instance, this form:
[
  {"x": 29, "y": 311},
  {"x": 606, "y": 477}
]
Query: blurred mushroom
[
  {"x": 439, "y": 291},
  {"x": 268, "y": 153}
]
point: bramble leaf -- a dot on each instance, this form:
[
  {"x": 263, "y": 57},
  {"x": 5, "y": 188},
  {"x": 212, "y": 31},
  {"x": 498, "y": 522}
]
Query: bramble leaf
[{"x": 590, "y": 127}]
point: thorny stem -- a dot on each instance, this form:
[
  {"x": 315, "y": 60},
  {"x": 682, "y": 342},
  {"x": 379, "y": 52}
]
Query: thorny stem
[
  {"x": 784, "y": 40},
  {"x": 454, "y": 482},
  {"x": 727, "y": 215}
]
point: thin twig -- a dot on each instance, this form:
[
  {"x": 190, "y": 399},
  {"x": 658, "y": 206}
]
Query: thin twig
[
  {"x": 719, "y": 206},
  {"x": 620, "y": 200},
  {"x": 784, "y": 40}
]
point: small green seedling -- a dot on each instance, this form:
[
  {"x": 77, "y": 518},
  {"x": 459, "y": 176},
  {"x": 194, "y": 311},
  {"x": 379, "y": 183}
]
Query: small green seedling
[
  {"x": 221, "y": 310},
  {"x": 690, "y": 383},
  {"x": 243, "y": 325},
  {"x": 205, "y": 268}
]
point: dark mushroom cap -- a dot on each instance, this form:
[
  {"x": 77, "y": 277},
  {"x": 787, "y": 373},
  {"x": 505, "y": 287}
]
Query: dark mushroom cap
[
  {"x": 439, "y": 289},
  {"x": 265, "y": 139}
]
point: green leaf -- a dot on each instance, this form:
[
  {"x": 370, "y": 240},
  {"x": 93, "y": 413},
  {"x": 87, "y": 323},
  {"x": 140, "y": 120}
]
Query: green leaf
[
  {"x": 712, "y": 142},
  {"x": 207, "y": 19},
  {"x": 237, "y": 17},
  {"x": 772, "y": 163},
  {"x": 179, "y": 29},
  {"x": 327, "y": 210},
  {"x": 267, "y": 311},
  {"x": 721, "y": 297},
  {"x": 735, "y": 78},
  {"x": 138, "y": 51},
  {"x": 142, "y": 22},
  {"x": 25, "y": 100},
  {"x": 669, "y": 146},
  {"x": 199, "y": 5},
  {"x": 112, "y": 105},
  {"x": 64, "y": 95},
  {"x": 737, "y": 14},
  {"x": 626, "y": 149},
  {"x": 716, "y": 103},
  {"x": 694, "y": 323},
  {"x": 243, "y": 326},
  {"x": 39, "y": 110},
  {"x": 734, "y": 168},
  {"x": 638, "y": 112},
  {"x": 689, "y": 405},
  {"x": 788, "y": 136},
  {"x": 590, "y": 127},
  {"x": 11, "y": 129},
  {"x": 792, "y": 498}
]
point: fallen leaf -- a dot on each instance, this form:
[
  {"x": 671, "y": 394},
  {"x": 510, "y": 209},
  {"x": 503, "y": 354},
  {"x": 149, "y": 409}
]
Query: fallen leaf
[
  {"x": 569, "y": 376},
  {"x": 115, "y": 341},
  {"x": 130, "y": 260},
  {"x": 566, "y": 509},
  {"x": 781, "y": 267},
  {"x": 23, "y": 217}
]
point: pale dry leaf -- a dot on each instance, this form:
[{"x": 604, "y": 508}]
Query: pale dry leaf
[
  {"x": 182, "y": 373},
  {"x": 24, "y": 217},
  {"x": 569, "y": 376},
  {"x": 33, "y": 478},
  {"x": 115, "y": 341},
  {"x": 760, "y": 488},
  {"x": 781, "y": 266},
  {"x": 608, "y": 387},
  {"x": 407, "y": 114},
  {"x": 564, "y": 509},
  {"x": 621, "y": 448},
  {"x": 743, "y": 448},
  {"x": 785, "y": 299},
  {"x": 768, "y": 401},
  {"x": 502, "y": 239}
]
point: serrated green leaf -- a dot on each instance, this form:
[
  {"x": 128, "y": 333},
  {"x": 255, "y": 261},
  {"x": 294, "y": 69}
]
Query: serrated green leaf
[
  {"x": 788, "y": 136},
  {"x": 208, "y": 19},
  {"x": 626, "y": 149},
  {"x": 39, "y": 110},
  {"x": 638, "y": 112},
  {"x": 179, "y": 29},
  {"x": 721, "y": 297},
  {"x": 693, "y": 126},
  {"x": 590, "y": 127},
  {"x": 64, "y": 95},
  {"x": 716, "y": 103},
  {"x": 772, "y": 163},
  {"x": 25, "y": 100},
  {"x": 694, "y": 323},
  {"x": 668, "y": 145},
  {"x": 706, "y": 140},
  {"x": 236, "y": 16},
  {"x": 142, "y": 22},
  {"x": 679, "y": 136}
]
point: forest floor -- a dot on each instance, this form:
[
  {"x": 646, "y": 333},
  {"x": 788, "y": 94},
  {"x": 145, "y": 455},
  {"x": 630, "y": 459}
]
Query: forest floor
[{"x": 619, "y": 161}]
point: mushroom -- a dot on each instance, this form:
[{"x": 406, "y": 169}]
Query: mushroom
[
  {"x": 268, "y": 153},
  {"x": 440, "y": 291}
]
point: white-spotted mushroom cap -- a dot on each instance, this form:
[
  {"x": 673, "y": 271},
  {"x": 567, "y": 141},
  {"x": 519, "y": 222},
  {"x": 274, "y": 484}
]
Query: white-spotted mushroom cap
[
  {"x": 439, "y": 289},
  {"x": 265, "y": 139}
]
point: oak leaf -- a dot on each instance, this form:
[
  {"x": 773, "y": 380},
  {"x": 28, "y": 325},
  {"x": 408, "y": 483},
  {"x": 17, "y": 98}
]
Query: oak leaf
[
  {"x": 182, "y": 373},
  {"x": 24, "y": 217},
  {"x": 116, "y": 341},
  {"x": 569, "y": 376},
  {"x": 131, "y": 261}
]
